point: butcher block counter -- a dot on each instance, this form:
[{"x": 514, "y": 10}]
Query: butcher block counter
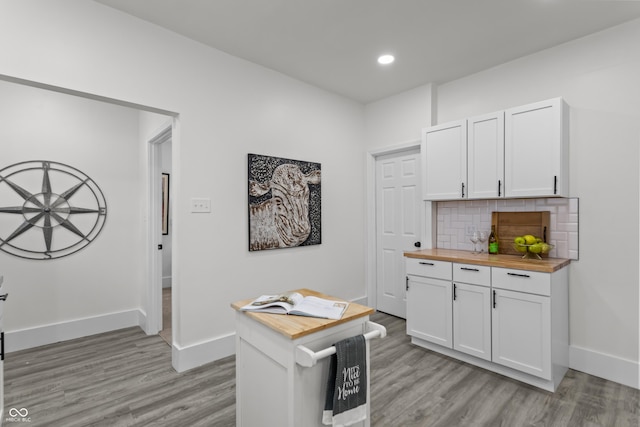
[
  {"x": 294, "y": 327},
  {"x": 547, "y": 265},
  {"x": 274, "y": 384}
]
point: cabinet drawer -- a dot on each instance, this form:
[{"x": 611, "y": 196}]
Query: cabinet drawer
[
  {"x": 532, "y": 282},
  {"x": 473, "y": 274},
  {"x": 429, "y": 268}
]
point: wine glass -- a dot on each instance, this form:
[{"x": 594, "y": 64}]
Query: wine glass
[
  {"x": 482, "y": 237},
  {"x": 474, "y": 239}
]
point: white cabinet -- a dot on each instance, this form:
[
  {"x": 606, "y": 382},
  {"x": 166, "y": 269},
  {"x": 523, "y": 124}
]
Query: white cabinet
[
  {"x": 521, "y": 332},
  {"x": 514, "y": 322},
  {"x": 537, "y": 150},
  {"x": 444, "y": 154},
  {"x": 429, "y": 310},
  {"x": 530, "y": 327},
  {"x": 472, "y": 310},
  {"x": 485, "y": 156},
  {"x": 520, "y": 152}
]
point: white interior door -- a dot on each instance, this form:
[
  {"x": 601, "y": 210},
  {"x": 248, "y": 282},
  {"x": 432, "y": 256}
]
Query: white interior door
[{"x": 398, "y": 198}]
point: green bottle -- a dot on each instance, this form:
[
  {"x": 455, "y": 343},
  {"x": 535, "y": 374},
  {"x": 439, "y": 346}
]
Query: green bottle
[{"x": 493, "y": 241}]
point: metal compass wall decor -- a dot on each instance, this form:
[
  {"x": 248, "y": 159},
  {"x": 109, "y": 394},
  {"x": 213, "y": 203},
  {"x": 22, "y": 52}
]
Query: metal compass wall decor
[{"x": 48, "y": 210}]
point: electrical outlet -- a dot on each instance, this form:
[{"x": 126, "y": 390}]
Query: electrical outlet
[
  {"x": 201, "y": 205},
  {"x": 471, "y": 228}
]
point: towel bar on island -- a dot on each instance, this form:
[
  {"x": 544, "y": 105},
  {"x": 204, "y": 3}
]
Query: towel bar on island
[{"x": 308, "y": 358}]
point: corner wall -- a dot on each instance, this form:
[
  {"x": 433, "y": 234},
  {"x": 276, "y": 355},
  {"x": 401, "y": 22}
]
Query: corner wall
[
  {"x": 598, "y": 77},
  {"x": 97, "y": 288}
]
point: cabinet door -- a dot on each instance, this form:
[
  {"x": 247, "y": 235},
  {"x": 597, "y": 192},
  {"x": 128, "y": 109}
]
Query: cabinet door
[
  {"x": 536, "y": 150},
  {"x": 521, "y": 332},
  {"x": 444, "y": 151},
  {"x": 429, "y": 311},
  {"x": 472, "y": 320},
  {"x": 485, "y": 156}
]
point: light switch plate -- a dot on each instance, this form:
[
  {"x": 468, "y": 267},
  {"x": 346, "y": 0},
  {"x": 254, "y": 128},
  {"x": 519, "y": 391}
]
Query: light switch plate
[{"x": 201, "y": 205}]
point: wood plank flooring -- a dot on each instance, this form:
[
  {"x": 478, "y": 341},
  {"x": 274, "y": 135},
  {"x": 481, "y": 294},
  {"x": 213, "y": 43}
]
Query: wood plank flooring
[{"x": 125, "y": 378}]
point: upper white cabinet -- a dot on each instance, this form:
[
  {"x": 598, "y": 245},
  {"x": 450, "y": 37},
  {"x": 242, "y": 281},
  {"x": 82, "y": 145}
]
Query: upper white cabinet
[
  {"x": 485, "y": 156},
  {"x": 537, "y": 150},
  {"x": 444, "y": 152},
  {"x": 520, "y": 152}
]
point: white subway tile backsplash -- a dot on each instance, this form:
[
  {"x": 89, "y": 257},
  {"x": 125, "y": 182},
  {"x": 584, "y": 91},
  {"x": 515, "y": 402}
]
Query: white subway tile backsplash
[{"x": 453, "y": 217}]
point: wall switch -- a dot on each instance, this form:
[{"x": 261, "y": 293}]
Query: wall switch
[
  {"x": 201, "y": 205},
  {"x": 471, "y": 228}
]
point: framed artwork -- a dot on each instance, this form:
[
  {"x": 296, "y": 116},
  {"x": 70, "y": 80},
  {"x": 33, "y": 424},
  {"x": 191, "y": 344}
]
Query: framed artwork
[
  {"x": 165, "y": 204},
  {"x": 284, "y": 203}
]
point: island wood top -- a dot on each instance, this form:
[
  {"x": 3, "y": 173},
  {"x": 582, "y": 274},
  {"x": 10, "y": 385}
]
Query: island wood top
[
  {"x": 293, "y": 326},
  {"x": 546, "y": 265}
]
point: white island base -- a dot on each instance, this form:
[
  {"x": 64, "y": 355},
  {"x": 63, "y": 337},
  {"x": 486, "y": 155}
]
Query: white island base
[{"x": 272, "y": 386}]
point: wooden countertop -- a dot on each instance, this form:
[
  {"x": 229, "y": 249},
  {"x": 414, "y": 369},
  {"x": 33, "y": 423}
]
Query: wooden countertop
[
  {"x": 547, "y": 265},
  {"x": 295, "y": 327}
]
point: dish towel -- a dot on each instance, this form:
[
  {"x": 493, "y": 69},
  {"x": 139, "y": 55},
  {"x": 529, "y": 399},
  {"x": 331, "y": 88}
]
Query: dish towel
[{"x": 346, "y": 399}]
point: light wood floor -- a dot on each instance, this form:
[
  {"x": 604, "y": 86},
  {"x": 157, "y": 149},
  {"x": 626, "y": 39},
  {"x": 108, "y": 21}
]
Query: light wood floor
[{"x": 124, "y": 378}]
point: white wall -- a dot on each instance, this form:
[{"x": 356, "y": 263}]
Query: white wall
[
  {"x": 227, "y": 108},
  {"x": 599, "y": 78},
  {"x": 103, "y": 278}
]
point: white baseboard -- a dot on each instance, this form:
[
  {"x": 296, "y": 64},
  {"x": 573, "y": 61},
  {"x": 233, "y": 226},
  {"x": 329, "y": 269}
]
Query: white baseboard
[
  {"x": 361, "y": 301},
  {"x": 189, "y": 357},
  {"x": 78, "y": 328},
  {"x": 605, "y": 366}
]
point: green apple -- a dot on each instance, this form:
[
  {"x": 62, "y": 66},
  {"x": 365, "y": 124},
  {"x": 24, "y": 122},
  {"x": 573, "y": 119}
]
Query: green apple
[
  {"x": 519, "y": 240},
  {"x": 545, "y": 248},
  {"x": 529, "y": 239},
  {"x": 521, "y": 248},
  {"x": 536, "y": 248}
]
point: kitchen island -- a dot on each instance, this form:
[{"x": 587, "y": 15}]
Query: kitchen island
[{"x": 279, "y": 381}]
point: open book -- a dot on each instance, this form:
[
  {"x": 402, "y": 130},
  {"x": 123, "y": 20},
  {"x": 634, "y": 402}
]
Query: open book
[{"x": 295, "y": 303}]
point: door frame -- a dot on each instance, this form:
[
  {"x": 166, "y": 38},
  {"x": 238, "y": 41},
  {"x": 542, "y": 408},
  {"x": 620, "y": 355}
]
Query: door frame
[
  {"x": 426, "y": 213},
  {"x": 154, "y": 234}
]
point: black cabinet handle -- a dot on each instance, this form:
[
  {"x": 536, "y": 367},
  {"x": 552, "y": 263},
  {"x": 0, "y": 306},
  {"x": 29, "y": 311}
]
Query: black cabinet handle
[
  {"x": 494, "y": 299},
  {"x": 499, "y": 188},
  {"x": 406, "y": 283},
  {"x": 555, "y": 184},
  {"x": 469, "y": 269},
  {"x": 3, "y": 297},
  {"x": 462, "y": 189},
  {"x": 454, "y": 291},
  {"x": 1, "y": 345},
  {"x": 518, "y": 275},
  {"x": 425, "y": 263}
]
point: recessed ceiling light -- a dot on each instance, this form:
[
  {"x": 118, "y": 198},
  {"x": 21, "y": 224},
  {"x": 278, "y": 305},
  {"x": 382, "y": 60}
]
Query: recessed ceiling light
[{"x": 386, "y": 59}]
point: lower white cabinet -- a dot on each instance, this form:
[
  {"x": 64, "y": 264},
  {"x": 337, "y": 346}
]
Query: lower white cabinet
[
  {"x": 522, "y": 332},
  {"x": 429, "y": 309},
  {"x": 514, "y": 322},
  {"x": 472, "y": 320}
]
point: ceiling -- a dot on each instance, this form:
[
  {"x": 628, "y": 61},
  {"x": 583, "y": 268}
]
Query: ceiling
[{"x": 334, "y": 44}]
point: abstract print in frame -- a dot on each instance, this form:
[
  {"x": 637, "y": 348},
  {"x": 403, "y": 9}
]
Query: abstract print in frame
[{"x": 284, "y": 203}]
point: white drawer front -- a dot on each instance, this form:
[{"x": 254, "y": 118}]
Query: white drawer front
[
  {"x": 532, "y": 282},
  {"x": 429, "y": 268},
  {"x": 473, "y": 274}
]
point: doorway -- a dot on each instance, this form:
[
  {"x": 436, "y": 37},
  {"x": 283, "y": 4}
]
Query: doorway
[
  {"x": 161, "y": 233},
  {"x": 398, "y": 221}
]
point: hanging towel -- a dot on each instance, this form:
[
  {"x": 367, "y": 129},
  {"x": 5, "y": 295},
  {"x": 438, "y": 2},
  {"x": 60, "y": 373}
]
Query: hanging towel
[{"x": 346, "y": 399}]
